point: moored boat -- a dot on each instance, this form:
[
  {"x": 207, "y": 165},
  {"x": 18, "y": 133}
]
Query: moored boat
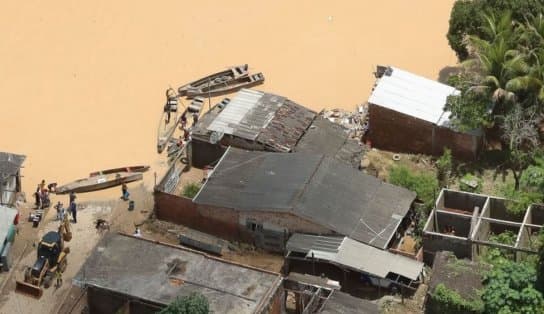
[
  {"x": 219, "y": 78},
  {"x": 228, "y": 87},
  {"x": 166, "y": 130},
  {"x": 99, "y": 182},
  {"x": 139, "y": 168}
]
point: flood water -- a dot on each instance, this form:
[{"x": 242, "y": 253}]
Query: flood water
[{"x": 82, "y": 83}]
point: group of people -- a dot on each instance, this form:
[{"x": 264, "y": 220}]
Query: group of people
[
  {"x": 71, "y": 210},
  {"x": 42, "y": 196}
]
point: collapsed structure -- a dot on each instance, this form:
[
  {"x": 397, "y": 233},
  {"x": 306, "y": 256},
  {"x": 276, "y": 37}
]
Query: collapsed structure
[{"x": 406, "y": 114}]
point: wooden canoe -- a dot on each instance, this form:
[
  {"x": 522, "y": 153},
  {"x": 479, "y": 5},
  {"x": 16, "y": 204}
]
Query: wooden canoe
[
  {"x": 228, "y": 87},
  {"x": 139, "y": 168},
  {"x": 166, "y": 130},
  {"x": 99, "y": 182},
  {"x": 219, "y": 78}
]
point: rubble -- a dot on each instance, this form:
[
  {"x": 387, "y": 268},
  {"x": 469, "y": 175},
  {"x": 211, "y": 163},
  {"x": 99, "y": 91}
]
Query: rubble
[{"x": 356, "y": 121}]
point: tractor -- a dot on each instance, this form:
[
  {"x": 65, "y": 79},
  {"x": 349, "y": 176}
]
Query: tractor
[{"x": 51, "y": 256}]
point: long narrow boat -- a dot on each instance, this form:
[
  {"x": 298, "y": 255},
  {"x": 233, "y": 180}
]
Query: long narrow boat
[
  {"x": 218, "y": 78},
  {"x": 99, "y": 182},
  {"x": 139, "y": 168},
  {"x": 166, "y": 130},
  {"x": 227, "y": 87}
]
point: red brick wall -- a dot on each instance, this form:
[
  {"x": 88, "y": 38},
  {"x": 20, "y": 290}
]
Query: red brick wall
[
  {"x": 223, "y": 222},
  {"x": 174, "y": 208},
  {"x": 394, "y": 131}
]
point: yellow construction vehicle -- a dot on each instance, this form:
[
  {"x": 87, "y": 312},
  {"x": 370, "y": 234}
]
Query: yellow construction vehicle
[{"x": 51, "y": 257}]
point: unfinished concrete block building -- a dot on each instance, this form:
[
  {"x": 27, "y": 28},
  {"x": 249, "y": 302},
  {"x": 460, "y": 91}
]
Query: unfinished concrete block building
[{"x": 466, "y": 223}]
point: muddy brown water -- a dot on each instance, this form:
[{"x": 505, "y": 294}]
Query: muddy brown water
[{"x": 82, "y": 83}]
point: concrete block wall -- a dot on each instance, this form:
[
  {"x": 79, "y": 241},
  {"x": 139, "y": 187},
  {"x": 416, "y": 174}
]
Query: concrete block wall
[{"x": 394, "y": 131}]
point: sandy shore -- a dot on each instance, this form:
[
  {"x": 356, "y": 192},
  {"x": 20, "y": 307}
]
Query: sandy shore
[{"x": 82, "y": 84}]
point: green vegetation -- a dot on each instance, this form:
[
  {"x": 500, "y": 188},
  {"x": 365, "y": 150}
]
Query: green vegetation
[
  {"x": 444, "y": 168},
  {"x": 502, "y": 77},
  {"x": 452, "y": 303},
  {"x": 191, "y": 189},
  {"x": 191, "y": 304},
  {"x": 465, "y": 184},
  {"x": 425, "y": 185},
  {"x": 466, "y": 19},
  {"x": 510, "y": 289}
]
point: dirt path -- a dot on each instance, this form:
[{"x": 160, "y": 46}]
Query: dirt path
[{"x": 84, "y": 239}]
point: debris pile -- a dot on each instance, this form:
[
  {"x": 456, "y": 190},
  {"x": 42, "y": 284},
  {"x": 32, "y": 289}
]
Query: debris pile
[{"x": 356, "y": 122}]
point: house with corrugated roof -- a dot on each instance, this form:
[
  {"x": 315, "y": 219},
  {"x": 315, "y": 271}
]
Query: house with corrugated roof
[
  {"x": 406, "y": 113},
  {"x": 259, "y": 121},
  {"x": 262, "y": 197}
]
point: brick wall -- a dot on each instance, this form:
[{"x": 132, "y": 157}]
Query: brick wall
[
  {"x": 176, "y": 209},
  {"x": 286, "y": 220},
  {"x": 224, "y": 222},
  {"x": 394, "y": 131}
]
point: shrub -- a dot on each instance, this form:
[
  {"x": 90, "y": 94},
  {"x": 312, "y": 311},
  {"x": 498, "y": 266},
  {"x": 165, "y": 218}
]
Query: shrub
[
  {"x": 449, "y": 301},
  {"x": 444, "y": 167},
  {"x": 425, "y": 185},
  {"x": 191, "y": 189},
  {"x": 463, "y": 186},
  {"x": 191, "y": 304},
  {"x": 509, "y": 288}
]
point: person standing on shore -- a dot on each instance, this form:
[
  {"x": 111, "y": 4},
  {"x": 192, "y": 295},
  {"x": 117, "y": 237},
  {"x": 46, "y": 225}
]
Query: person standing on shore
[
  {"x": 58, "y": 276},
  {"x": 73, "y": 209},
  {"x": 124, "y": 190}
]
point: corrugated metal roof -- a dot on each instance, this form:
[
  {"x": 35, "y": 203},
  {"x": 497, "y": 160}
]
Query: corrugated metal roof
[
  {"x": 317, "y": 188},
  {"x": 290, "y": 122},
  {"x": 7, "y": 215},
  {"x": 355, "y": 255},
  {"x": 413, "y": 95},
  {"x": 246, "y": 114},
  {"x": 332, "y": 140}
]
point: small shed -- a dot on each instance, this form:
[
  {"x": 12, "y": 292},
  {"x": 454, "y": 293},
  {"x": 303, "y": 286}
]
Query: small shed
[
  {"x": 382, "y": 267},
  {"x": 10, "y": 177},
  {"x": 407, "y": 114}
]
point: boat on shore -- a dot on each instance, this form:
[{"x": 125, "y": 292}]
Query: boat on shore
[
  {"x": 227, "y": 87},
  {"x": 99, "y": 182},
  {"x": 166, "y": 130},
  {"x": 219, "y": 78},
  {"x": 139, "y": 168}
]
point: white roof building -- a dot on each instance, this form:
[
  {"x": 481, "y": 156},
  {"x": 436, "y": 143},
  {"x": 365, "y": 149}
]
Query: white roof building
[{"x": 413, "y": 95}]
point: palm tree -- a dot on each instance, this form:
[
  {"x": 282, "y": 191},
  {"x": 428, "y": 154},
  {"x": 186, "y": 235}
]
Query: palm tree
[{"x": 497, "y": 65}]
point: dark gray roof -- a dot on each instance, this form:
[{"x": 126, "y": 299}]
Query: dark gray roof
[
  {"x": 272, "y": 120},
  {"x": 330, "y": 139},
  {"x": 159, "y": 273},
  {"x": 10, "y": 164},
  {"x": 288, "y": 125},
  {"x": 343, "y": 303},
  {"x": 312, "y": 186}
]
